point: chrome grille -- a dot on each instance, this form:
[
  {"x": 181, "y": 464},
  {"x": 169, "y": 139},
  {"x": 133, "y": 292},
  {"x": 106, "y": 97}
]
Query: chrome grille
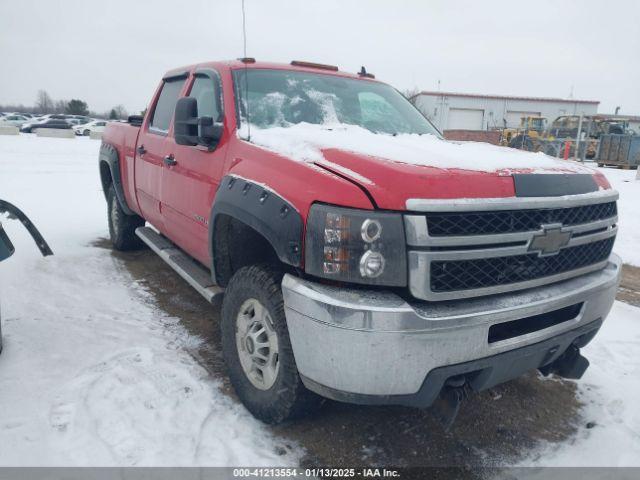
[
  {"x": 455, "y": 275},
  {"x": 495, "y": 222},
  {"x": 482, "y": 247}
]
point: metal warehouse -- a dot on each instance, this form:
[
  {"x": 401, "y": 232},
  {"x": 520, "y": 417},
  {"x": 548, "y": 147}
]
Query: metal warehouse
[{"x": 463, "y": 111}]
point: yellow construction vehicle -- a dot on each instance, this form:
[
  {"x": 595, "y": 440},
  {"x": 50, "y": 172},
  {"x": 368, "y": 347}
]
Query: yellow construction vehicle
[{"x": 531, "y": 128}]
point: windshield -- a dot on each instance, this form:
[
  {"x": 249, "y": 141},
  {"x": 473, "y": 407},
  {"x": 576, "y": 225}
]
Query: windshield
[{"x": 282, "y": 98}]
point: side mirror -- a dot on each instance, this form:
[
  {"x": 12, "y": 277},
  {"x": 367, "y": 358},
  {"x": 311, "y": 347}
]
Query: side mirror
[
  {"x": 185, "y": 121},
  {"x": 135, "y": 120},
  {"x": 6, "y": 247},
  {"x": 191, "y": 130},
  {"x": 209, "y": 132}
]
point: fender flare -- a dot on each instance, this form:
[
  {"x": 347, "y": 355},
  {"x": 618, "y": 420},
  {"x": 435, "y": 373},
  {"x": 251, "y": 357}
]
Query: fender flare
[
  {"x": 260, "y": 208},
  {"x": 109, "y": 156}
]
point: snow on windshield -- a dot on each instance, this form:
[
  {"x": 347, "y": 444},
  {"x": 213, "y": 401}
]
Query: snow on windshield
[{"x": 284, "y": 98}]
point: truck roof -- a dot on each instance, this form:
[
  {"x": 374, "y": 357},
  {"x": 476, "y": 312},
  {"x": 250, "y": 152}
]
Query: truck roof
[{"x": 296, "y": 65}]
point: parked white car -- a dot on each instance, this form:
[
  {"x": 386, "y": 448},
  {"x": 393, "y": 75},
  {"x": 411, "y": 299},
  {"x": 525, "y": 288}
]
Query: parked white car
[
  {"x": 86, "y": 129},
  {"x": 14, "y": 120}
]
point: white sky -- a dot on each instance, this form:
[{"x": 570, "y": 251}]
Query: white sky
[{"x": 113, "y": 51}]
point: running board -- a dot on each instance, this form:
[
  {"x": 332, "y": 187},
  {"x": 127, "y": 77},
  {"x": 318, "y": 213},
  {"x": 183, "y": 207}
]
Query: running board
[{"x": 196, "y": 275}]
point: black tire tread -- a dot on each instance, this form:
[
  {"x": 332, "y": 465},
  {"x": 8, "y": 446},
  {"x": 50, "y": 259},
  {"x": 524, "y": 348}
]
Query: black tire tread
[
  {"x": 288, "y": 398},
  {"x": 122, "y": 230}
]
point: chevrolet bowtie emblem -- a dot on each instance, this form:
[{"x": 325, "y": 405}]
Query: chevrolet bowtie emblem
[{"x": 550, "y": 241}]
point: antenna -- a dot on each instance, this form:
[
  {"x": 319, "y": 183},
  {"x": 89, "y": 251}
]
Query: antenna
[
  {"x": 246, "y": 71},
  {"x": 244, "y": 32}
]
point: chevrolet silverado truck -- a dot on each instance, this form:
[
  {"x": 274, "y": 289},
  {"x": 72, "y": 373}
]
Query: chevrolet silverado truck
[{"x": 357, "y": 255}]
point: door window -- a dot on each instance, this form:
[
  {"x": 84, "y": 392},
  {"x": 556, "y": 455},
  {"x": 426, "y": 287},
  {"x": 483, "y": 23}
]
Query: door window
[
  {"x": 166, "y": 105},
  {"x": 204, "y": 90}
]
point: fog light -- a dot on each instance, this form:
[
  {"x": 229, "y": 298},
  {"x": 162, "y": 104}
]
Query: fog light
[{"x": 371, "y": 264}]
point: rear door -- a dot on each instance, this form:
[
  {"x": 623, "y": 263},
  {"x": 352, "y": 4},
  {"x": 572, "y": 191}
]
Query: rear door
[
  {"x": 189, "y": 186},
  {"x": 150, "y": 148}
]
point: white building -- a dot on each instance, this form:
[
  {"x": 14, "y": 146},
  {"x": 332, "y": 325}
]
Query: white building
[{"x": 453, "y": 111}]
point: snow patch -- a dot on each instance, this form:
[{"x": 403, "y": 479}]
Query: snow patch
[
  {"x": 92, "y": 372},
  {"x": 306, "y": 142},
  {"x": 610, "y": 390},
  {"x": 628, "y": 238}
]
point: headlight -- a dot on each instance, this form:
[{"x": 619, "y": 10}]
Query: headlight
[{"x": 358, "y": 246}]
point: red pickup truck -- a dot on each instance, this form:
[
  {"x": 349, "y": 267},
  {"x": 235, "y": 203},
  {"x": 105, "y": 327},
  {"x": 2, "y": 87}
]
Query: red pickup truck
[{"x": 358, "y": 255}]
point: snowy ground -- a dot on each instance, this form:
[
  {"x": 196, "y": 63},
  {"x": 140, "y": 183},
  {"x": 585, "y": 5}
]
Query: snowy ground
[
  {"x": 628, "y": 239},
  {"x": 610, "y": 390},
  {"x": 93, "y": 373}
]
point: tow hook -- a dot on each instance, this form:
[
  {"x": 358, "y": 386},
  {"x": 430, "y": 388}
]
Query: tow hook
[
  {"x": 570, "y": 364},
  {"x": 447, "y": 405}
]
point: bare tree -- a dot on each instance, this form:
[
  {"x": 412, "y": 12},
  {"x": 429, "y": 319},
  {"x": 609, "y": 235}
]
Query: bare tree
[
  {"x": 60, "y": 106},
  {"x": 120, "y": 111},
  {"x": 411, "y": 94},
  {"x": 44, "y": 103}
]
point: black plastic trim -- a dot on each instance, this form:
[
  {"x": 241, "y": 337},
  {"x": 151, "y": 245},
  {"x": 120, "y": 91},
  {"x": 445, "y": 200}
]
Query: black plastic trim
[
  {"x": 553, "y": 185},
  {"x": 214, "y": 76},
  {"x": 479, "y": 374},
  {"x": 109, "y": 155},
  {"x": 175, "y": 76},
  {"x": 263, "y": 210},
  {"x": 6, "y": 247},
  {"x": 522, "y": 326},
  {"x": 15, "y": 212}
]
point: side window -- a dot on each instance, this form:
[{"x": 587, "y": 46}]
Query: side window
[
  {"x": 166, "y": 104},
  {"x": 205, "y": 91}
]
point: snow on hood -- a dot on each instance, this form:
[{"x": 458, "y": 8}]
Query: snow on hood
[{"x": 306, "y": 142}]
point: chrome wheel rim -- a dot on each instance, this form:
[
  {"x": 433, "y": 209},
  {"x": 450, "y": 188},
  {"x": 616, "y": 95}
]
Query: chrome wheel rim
[{"x": 257, "y": 344}]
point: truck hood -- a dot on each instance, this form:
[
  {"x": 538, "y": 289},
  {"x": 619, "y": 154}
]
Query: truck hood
[{"x": 393, "y": 169}]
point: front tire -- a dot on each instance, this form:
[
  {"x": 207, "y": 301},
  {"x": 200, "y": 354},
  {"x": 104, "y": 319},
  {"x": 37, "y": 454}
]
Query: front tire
[
  {"x": 122, "y": 227},
  {"x": 257, "y": 348}
]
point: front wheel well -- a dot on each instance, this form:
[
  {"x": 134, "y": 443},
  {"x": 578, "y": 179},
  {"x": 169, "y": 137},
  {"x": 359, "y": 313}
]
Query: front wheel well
[
  {"x": 105, "y": 176},
  {"x": 236, "y": 245}
]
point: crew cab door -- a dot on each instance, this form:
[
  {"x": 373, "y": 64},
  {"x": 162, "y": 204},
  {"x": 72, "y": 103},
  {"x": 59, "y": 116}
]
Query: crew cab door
[
  {"x": 151, "y": 145},
  {"x": 192, "y": 174}
]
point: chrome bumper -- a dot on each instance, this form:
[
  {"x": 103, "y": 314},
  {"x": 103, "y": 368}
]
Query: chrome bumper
[{"x": 375, "y": 343}]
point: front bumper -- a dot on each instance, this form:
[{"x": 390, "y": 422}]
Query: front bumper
[{"x": 374, "y": 347}]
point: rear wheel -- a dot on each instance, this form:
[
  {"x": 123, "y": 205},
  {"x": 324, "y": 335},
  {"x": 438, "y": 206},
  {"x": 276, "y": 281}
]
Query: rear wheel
[
  {"x": 257, "y": 348},
  {"x": 122, "y": 227}
]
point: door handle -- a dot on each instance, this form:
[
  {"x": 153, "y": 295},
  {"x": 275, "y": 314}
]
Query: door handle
[
  {"x": 141, "y": 150},
  {"x": 170, "y": 160}
]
